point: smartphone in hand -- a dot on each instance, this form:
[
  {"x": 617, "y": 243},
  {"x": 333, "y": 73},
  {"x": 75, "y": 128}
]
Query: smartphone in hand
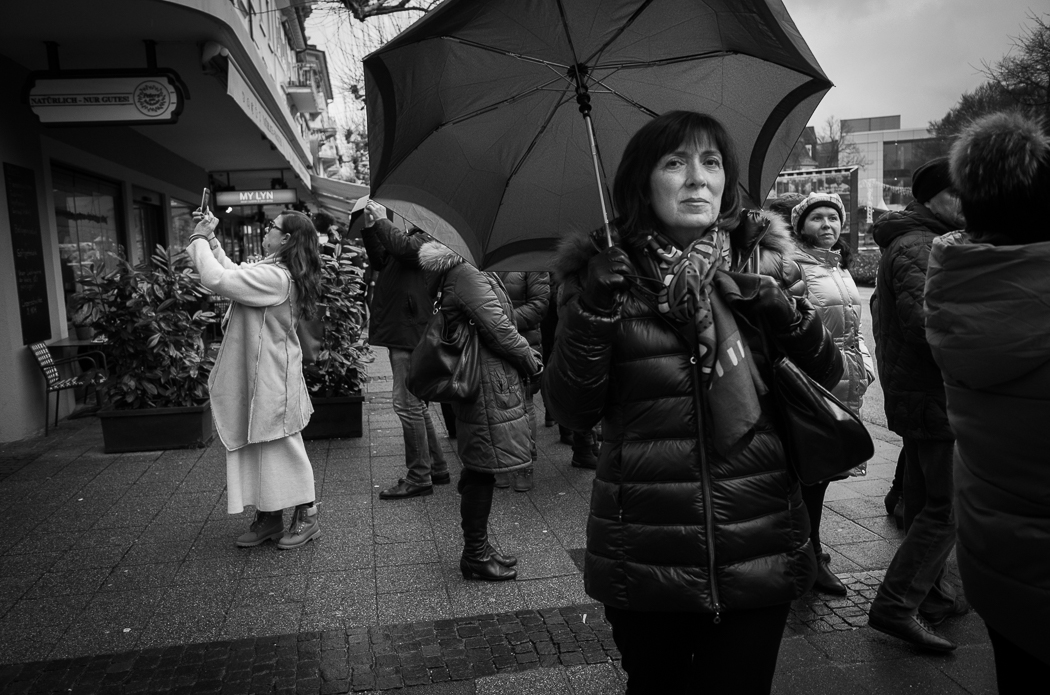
[{"x": 204, "y": 201}]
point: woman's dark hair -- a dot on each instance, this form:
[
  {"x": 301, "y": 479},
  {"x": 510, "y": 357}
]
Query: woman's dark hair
[
  {"x": 631, "y": 188},
  {"x": 302, "y": 258}
]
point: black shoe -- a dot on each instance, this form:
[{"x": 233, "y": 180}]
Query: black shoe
[
  {"x": 585, "y": 460},
  {"x": 548, "y": 421},
  {"x": 440, "y": 478},
  {"x": 405, "y": 489},
  {"x": 826, "y": 580},
  {"x": 898, "y": 514},
  {"x": 959, "y": 608},
  {"x": 486, "y": 568},
  {"x": 894, "y": 496},
  {"x": 913, "y": 629},
  {"x": 505, "y": 560}
]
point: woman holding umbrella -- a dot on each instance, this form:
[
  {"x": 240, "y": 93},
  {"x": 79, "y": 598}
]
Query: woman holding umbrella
[{"x": 697, "y": 539}]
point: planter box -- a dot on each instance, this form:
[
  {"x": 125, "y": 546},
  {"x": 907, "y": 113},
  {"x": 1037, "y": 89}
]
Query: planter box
[
  {"x": 154, "y": 429},
  {"x": 335, "y": 418}
]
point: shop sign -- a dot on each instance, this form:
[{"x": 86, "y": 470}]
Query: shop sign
[
  {"x": 278, "y": 196},
  {"x": 128, "y": 97}
]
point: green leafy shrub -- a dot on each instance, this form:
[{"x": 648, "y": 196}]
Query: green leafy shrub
[
  {"x": 151, "y": 320},
  {"x": 337, "y": 371},
  {"x": 865, "y": 267}
]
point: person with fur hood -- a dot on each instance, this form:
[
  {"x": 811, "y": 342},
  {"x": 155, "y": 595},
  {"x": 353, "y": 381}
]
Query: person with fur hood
[
  {"x": 986, "y": 322},
  {"x": 697, "y": 537},
  {"x": 493, "y": 434}
]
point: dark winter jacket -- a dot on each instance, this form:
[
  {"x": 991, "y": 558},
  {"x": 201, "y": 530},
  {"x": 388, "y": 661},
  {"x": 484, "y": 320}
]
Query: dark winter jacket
[
  {"x": 400, "y": 303},
  {"x": 987, "y": 319},
  {"x": 493, "y": 432},
  {"x": 530, "y": 292},
  {"x": 911, "y": 382},
  {"x": 661, "y": 491}
]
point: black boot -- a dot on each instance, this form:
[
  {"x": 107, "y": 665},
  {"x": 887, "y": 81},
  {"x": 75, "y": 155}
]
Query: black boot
[
  {"x": 505, "y": 560},
  {"x": 474, "y": 506}
]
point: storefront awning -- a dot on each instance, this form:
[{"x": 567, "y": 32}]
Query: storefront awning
[{"x": 336, "y": 197}]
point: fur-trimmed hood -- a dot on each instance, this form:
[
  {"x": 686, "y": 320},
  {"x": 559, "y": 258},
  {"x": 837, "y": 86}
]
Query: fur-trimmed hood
[
  {"x": 436, "y": 259},
  {"x": 763, "y": 228}
]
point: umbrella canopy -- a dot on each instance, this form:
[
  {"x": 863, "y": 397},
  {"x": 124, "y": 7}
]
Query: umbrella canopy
[{"x": 475, "y": 131}]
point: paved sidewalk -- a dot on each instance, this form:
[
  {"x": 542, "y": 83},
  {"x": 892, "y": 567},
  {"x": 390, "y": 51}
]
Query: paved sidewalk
[{"x": 118, "y": 573}]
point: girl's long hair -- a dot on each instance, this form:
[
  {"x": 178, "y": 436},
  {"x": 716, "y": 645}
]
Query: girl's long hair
[{"x": 300, "y": 255}]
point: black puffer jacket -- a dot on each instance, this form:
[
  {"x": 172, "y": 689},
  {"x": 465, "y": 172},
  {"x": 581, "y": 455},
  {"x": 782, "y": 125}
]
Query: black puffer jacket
[
  {"x": 661, "y": 491},
  {"x": 400, "y": 306},
  {"x": 530, "y": 292},
  {"x": 911, "y": 381}
]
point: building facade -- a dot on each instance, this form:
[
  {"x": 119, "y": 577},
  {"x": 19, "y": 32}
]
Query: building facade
[{"x": 114, "y": 117}]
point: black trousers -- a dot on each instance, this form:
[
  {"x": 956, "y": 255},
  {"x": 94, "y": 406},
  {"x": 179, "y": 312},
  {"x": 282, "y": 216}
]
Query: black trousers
[
  {"x": 1016, "y": 670},
  {"x": 689, "y": 653}
]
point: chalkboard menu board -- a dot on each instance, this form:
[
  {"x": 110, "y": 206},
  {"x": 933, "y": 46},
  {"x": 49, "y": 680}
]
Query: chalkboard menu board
[{"x": 28, "y": 250}]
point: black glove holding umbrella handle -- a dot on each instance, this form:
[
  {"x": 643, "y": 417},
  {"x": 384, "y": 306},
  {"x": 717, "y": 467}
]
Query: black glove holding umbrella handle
[{"x": 606, "y": 280}]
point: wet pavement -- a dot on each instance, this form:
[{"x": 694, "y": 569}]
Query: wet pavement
[{"x": 118, "y": 574}]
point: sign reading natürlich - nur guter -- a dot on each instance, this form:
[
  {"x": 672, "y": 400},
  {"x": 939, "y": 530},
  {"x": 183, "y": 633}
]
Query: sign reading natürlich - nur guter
[
  {"x": 83, "y": 97},
  {"x": 277, "y": 196}
]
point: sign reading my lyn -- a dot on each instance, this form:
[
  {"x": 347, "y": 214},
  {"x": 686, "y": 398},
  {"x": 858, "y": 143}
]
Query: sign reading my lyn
[
  {"x": 83, "y": 97},
  {"x": 277, "y": 196}
]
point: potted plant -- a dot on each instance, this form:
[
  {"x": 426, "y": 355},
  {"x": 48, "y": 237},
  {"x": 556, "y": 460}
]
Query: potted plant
[
  {"x": 152, "y": 324},
  {"x": 335, "y": 379}
]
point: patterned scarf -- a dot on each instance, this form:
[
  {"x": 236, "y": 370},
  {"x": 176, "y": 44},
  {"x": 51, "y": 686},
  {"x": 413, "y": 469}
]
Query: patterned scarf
[
  {"x": 685, "y": 290},
  {"x": 686, "y": 294}
]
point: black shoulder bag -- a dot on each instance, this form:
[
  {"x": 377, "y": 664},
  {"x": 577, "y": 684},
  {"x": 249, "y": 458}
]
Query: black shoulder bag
[
  {"x": 446, "y": 364},
  {"x": 822, "y": 437}
]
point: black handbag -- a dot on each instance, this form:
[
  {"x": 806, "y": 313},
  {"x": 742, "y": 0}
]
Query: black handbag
[
  {"x": 822, "y": 437},
  {"x": 446, "y": 364}
]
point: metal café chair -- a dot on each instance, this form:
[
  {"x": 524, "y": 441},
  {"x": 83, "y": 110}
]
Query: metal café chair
[{"x": 49, "y": 366}]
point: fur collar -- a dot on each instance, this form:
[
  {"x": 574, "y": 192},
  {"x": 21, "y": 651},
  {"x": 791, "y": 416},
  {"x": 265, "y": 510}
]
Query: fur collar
[
  {"x": 438, "y": 259},
  {"x": 575, "y": 250}
]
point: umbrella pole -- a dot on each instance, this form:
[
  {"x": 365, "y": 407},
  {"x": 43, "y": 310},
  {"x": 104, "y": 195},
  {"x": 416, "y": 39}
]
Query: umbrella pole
[
  {"x": 584, "y": 101},
  {"x": 598, "y": 177}
]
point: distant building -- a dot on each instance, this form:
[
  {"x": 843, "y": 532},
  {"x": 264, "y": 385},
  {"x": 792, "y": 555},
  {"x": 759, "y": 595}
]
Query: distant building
[{"x": 890, "y": 154}]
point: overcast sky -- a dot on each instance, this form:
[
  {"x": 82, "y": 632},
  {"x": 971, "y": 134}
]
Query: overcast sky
[{"x": 914, "y": 58}]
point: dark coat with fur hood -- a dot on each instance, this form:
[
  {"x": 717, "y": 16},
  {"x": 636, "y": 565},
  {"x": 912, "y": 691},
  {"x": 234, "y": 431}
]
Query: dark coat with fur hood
[
  {"x": 911, "y": 381},
  {"x": 661, "y": 492},
  {"x": 493, "y": 432}
]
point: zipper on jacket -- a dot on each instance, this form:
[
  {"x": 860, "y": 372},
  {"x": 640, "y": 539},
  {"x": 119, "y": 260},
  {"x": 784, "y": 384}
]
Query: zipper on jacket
[{"x": 705, "y": 475}]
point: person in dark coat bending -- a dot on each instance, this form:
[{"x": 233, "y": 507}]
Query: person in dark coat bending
[{"x": 697, "y": 538}]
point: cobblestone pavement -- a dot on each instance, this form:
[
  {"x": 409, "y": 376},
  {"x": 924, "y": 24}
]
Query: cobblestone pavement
[{"x": 118, "y": 574}]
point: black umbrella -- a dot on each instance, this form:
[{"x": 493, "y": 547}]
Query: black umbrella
[{"x": 474, "y": 112}]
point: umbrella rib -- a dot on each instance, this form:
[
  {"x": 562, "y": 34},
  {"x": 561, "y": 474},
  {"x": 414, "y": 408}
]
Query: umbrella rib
[
  {"x": 495, "y": 105},
  {"x": 641, "y": 8},
  {"x": 518, "y": 56},
  {"x": 532, "y": 145},
  {"x": 632, "y": 102},
  {"x": 635, "y": 64}
]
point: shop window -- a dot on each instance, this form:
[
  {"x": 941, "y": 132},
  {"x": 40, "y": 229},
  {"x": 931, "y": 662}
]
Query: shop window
[
  {"x": 182, "y": 224},
  {"x": 90, "y": 224}
]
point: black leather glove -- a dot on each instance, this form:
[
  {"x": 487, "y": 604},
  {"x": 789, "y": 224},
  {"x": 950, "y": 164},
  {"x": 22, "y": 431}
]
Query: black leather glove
[
  {"x": 606, "y": 280},
  {"x": 777, "y": 309}
]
